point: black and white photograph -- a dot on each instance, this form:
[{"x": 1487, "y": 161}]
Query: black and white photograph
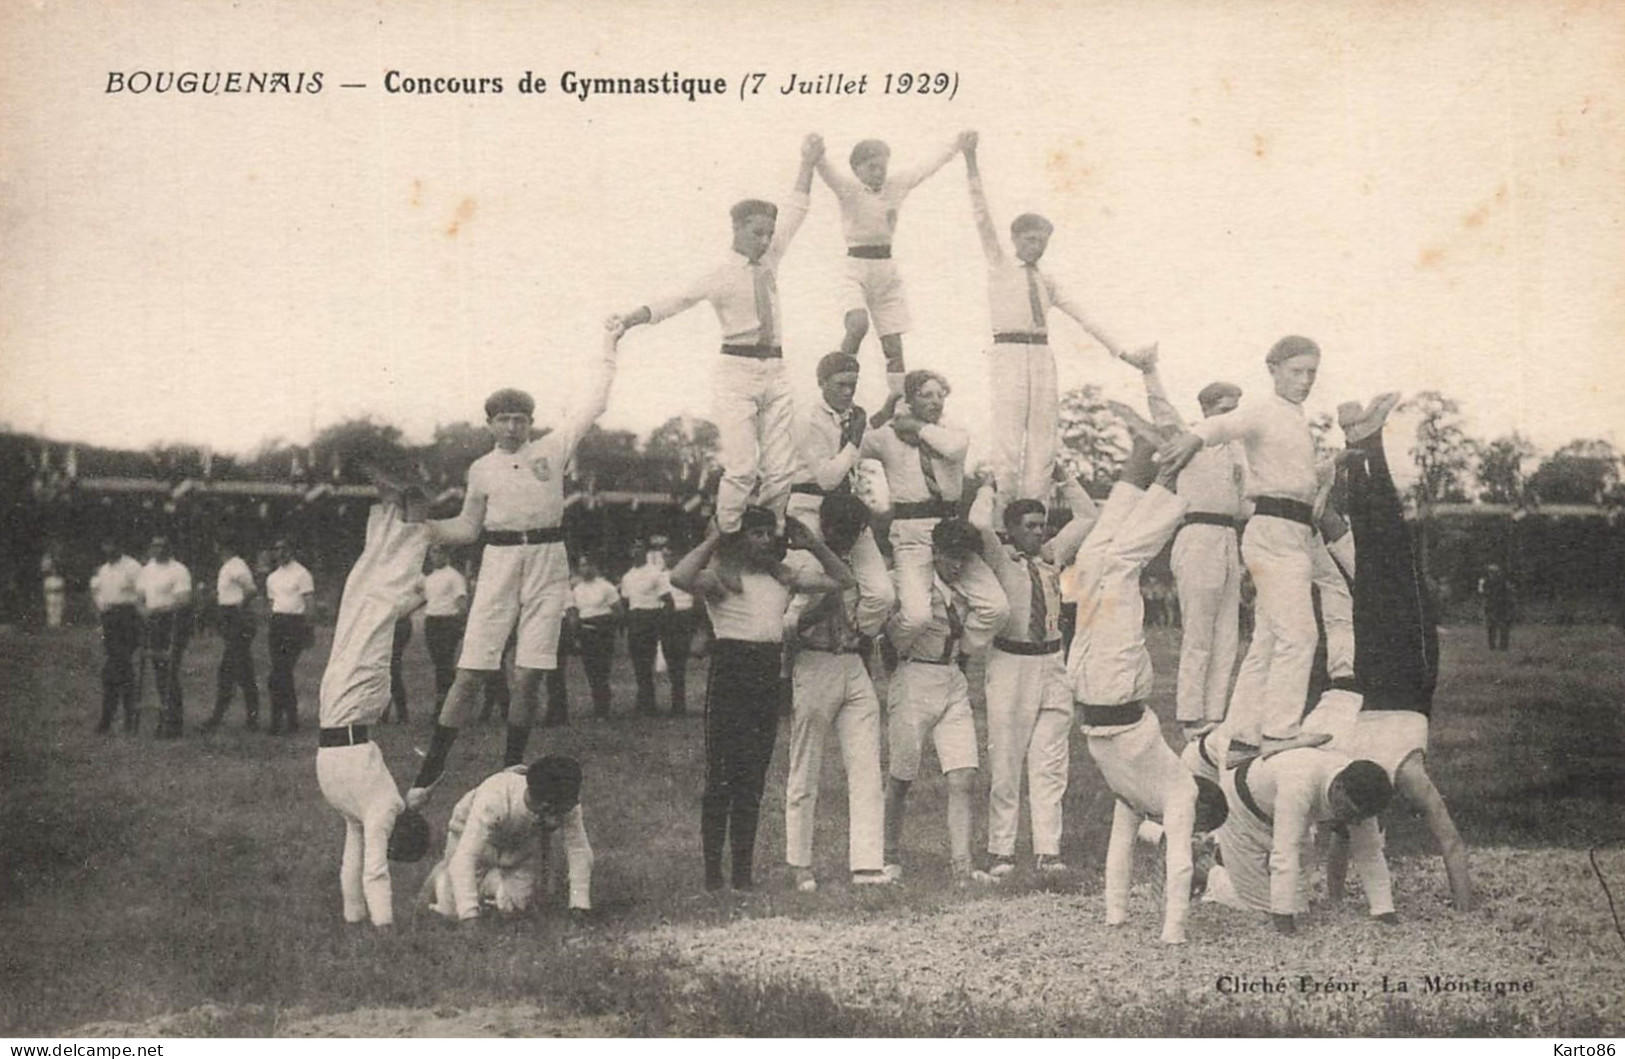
[{"x": 992, "y": 519}]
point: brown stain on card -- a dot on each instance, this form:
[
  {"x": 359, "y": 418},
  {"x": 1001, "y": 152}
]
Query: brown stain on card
[
  {"x": 1067, "y": 171},
  {"x": 465, "y": 213},
  {"x": 1473, "y": 220}
]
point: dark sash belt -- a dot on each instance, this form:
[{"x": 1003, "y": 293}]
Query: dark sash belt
[
  {"x": 873, "y": 253},
  {"x": 925, "y": 509},
  {"x": 1023, "y": 647},
  {"x": 510, "y": 538},
  {"x": 1284, "y": 507},
  {"x": 814, "y": 489},
  {"x": 1246, "y": 793},
  {"x": 1344, "y": 684},
  {"x": 350, "y": 735},
  {"x": 734, "y": 349},
  {"x": 1207, "y": 518},
  {"x": 1020, "y": 338},
  {"x": 1111, "y": 716},
  {"x": 931, "y": 661}
]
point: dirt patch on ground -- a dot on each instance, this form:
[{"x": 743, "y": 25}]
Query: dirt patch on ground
[
  {"x": 501, "y": 1020},
  {"x": 1543, "y": 930}
]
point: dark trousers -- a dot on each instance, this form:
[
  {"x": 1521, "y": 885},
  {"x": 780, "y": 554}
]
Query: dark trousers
[
  {"x": 397, "y": 655},
  {"x": 597, "y": 653},
  {"x": 121, "y": 639},
  {"x": 1396, "y": 636},
  {"x": 741, "y": 725},
  {"x": 443, "y": 635},
  {"x": 1500, "y": 632},
  {"x": 167, "y": 636},
  {"x": 676, "y": 640},
  {"x": 289, "y": 636},
  {"x": 642, "y": 637},
  {"x": 236, "y": 665}
]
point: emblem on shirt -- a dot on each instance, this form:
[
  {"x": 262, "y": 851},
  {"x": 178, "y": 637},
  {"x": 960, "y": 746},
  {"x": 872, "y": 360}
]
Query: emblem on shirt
[{"x": 542, "y": 468}]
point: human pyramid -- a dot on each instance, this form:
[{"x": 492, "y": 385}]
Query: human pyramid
[{"x": 793, "y": 576}]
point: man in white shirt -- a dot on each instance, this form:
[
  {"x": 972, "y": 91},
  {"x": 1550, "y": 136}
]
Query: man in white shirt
[
  {"x": 497, "y": 843},
  {"x": 1279, "y": 545},
  {"x": 234, "y": 587},
  {"x": 1273, "y": 802},
  {"x": 166, "y": 606},
  {"x": 870, "y": 205},
  {"x": 1021, "y": 366},
  {"x": 1206, "y": 560},
  {"x": 383, "y": 584},
  {"x": 1029, "y": 704},
  {"x": 596, "y": 613},
  {"x": 924, "y": 462},
  {"x": 829, "y": 440},
  {"x": 646, "y": 589},
  {"x": 515, "y": 506},
  {"x": 445, "y": 592},
  {"x": 290, "y": 590},
  {"x": 929, "y": 698},
  {"x": 832, "y": 689},
  {"x": 115, "y": 592},
  {"x": 751, "y": 402}
]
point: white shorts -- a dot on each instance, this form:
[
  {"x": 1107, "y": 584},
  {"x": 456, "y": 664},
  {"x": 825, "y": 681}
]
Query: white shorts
[
  {"x": 924, "y": 700},
  {"x": 875, "y": 285},
  {"x": 523, "y": 584}
]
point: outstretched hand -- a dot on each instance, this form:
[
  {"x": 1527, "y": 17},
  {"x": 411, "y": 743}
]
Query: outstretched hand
[
  {"x": 812, "y": 148},
  {"x": 1144, "y": 359},
  {"x": 615, "y": 326},
  {"x": 968, "y": 140}
]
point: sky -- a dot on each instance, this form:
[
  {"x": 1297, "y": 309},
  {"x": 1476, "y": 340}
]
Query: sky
[{"x": 1433, "y": 191}]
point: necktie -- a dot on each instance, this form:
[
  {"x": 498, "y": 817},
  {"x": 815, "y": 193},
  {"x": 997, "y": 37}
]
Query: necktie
[
  {"x": 930, "y": 474},
  {"x": 1035, "y": 298},
  {"x": 762, "y": 277},
  {"x": 1038, "y": 615}
]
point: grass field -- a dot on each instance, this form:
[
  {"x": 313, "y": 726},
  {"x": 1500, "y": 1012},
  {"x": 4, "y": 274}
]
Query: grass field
[{"x": 190, "y": 887}]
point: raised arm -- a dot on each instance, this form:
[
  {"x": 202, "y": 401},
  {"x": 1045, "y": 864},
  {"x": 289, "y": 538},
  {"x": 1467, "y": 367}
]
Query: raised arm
[
  {"x": 585, "y": 411},
  {"x": 1163, "y": 412},
  {"x": 916, "y": 175},
  {"x": 690, "y": 573},
  {"x": 835, "y": 576},
  {"x": 1062, "y": 548},
  {"x": 839, "y": 182},
  {"x": 467, "y": 525},
  {"x": 981, "y": 516},
  {"x": 991, "y": 248}
]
